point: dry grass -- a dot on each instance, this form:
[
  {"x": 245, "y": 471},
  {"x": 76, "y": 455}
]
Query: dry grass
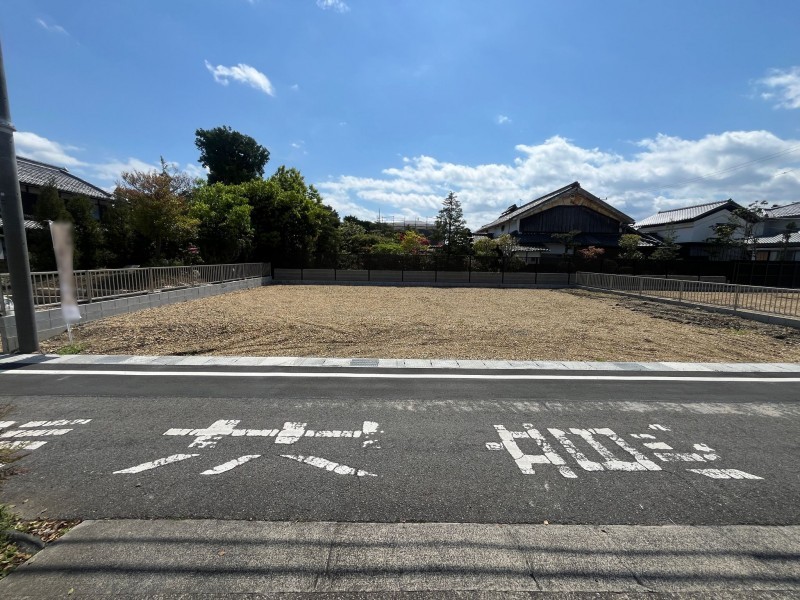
[{"x": 460, "y": 323}]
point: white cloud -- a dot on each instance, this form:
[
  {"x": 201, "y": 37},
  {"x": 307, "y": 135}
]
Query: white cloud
[
  {"x": 294, "y": 87},
  {"x": 783, "y": 86},
  {"x": 52, "y": 28},
  {"x": 503, "y": 119},
  {"x": 242, "y": 73},
  {"x": 653, "y": 178},
  {"x": 36, "y": 147},
  {"x": 336, "y": 5}
]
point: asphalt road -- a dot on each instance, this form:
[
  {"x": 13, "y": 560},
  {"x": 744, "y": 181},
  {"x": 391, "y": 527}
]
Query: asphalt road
[{"x": 404, "y": 446}]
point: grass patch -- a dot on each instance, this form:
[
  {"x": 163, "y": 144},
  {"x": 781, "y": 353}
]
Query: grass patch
[{"x": 75, "y": 348}]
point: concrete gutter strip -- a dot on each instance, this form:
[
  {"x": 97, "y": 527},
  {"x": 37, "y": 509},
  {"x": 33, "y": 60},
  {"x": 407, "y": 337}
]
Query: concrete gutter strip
[
  {"x": 157, "y": 558},
  {"x": 7, "y": 360}
]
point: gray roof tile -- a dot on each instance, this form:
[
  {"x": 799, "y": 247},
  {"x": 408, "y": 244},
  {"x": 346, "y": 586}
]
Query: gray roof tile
[
  {"x": 33, "y": 172},
  {"x": 782, "y": 212},
  {"x": 679, "y": 215}
]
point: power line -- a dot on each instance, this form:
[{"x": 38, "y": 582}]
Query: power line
[{"x": 733, "y": 168}]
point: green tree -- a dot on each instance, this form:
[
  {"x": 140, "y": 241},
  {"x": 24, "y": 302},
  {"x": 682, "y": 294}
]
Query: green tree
[
  {"x": 231, "y": 157},
  {"x": 87, "y": 233},
  {"x": 629, "y": 246},
  {"x": 291, "y": 224},
  {"x": 224, "y": 232},
  {"x": 413, "y": 242},
  {"x": 484, "y": 246},
  {"x": 669, "y": 249},
  {"x": 121, "y": 245},
  {"x": 451, "y": 228},
  {"x": 568, "y": 239},
  {"x": 159, "y": 210},
  {"x": 49, "y": 207}
]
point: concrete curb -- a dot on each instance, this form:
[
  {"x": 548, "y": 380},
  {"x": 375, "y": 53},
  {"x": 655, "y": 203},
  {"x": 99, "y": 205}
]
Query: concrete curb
[
  {"x": 113, "y": 558},
  {"x": 394, "y": 363}
]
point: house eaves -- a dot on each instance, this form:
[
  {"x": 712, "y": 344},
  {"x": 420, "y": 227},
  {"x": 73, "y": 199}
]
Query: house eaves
[
  {"x": 39, "y": 174},
  {"x": 687, "y": 214},
  {"x": 540, "y": 204}
]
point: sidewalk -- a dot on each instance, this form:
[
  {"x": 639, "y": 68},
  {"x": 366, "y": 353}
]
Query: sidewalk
[{"x": 219, "y": 559}]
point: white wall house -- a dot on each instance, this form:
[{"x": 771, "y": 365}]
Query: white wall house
[{"x": 691, "y": 225}]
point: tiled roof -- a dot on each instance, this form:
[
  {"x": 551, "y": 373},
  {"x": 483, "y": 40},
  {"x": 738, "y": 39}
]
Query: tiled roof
[
  {"x": 778, "y": 239},
  {"x": 680, "y": 215},
  {"x": 541, "y": 200},
  {"x": 28, "y": 224},
  {"x": 782, "y": 212},
  {"x": 33, "y": 172}
]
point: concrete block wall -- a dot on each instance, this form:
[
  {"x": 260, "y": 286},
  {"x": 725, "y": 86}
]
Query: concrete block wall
[
  {"x": 442, "y": 278},
  {"x": 50, "y": 323}
]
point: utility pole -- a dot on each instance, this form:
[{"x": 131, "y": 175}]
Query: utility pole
[{"x": 14, "y": 228}]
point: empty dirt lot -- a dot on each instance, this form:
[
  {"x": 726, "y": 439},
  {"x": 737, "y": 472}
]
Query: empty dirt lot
[{"x": 397, "y": 322}]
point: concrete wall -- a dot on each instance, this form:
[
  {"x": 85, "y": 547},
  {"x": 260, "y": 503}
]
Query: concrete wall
[
  {"x": 49, "y": 323},
  {"x": 441, "y": 278}
]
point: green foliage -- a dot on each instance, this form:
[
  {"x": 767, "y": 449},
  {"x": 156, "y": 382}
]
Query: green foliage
[
  {"x": 159, "y": 209},
  {"x": 669, "y": 250},
  {"x": 290, "y": 223},
  {"x": 568, "y": 239},
  {"x": 121, "y": 244},
  {"x": 388, "y": 247},
  {"x": 49, "y": 207},
  {"x": 629, "y": 246},
  {"x": 451, "y": 227},
  {"x": 230, "y": 156},
  {"x": 224, "y": 233},
  {"x": 86, "y": 233},
  {"x": 412, "y": 242}
]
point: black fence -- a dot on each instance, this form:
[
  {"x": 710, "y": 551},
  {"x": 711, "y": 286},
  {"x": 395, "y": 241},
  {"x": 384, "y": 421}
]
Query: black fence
[{"x": 763, "y": 273}]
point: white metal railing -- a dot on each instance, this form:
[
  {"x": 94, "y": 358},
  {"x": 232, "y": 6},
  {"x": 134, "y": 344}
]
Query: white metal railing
[
  {"x": 768, "y": 300},
  {"x": 106, "y": 284}
]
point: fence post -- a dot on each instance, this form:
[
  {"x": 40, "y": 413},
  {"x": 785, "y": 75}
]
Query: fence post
[
  {"x": 641, "y": 286},
  {"x": 150, "y": 283},
  {"x": 736, "y": 299},
  {"x": 681, "y": 285},
  {"x": 89, "y": 286}
]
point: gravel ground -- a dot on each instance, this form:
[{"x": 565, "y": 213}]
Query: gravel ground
[{"x": 454, "y": 323}]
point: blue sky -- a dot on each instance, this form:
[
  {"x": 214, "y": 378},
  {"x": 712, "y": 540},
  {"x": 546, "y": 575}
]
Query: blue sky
[{"x": 388, "y": 105}]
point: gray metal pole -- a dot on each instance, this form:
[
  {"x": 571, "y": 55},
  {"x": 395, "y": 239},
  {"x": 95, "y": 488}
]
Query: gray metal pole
[{"x": 14, "y": 228}]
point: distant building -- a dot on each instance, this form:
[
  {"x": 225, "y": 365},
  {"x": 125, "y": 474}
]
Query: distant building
[
  {"x": 536, "y": 224},
  {"x": 776, "y": 234},
  {"x": 34, "y": 175}
]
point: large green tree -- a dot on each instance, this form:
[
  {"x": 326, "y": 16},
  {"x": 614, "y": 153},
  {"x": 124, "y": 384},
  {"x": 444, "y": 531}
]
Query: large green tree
[
  {"x": 451, "y": 228},
  {"x": 49, "y": 207},
  {"x": 87, "y": 233},
  {"x": 291, "y": 224},
  {"x": 231, "y": 157},
  {"x": 224, "y": 232}
]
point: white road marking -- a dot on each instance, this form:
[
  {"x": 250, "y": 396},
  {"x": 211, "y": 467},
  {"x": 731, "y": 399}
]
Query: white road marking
[
  {"x": 725, "y": 474},
  {"x": 679, "y": 456},
  {"x": 658, "y": 427},
  {"x": 642, "y": 436},
  {"x": 21, "y": 445},
  {"x": 328, "y": 465},
  {"x": 61, "y": 423},
  {"x": 580, "y": 457},
  {"x": 231, "y": 464},
  {"x": 549, "y": 453},
  {"x": 255, "y": 432},
  {"x": 612, "y": 463},
  {"x": 157, "y": 463},
  {"x": 291, "y": 432},
  {"x": 494, "y": 446},
  {"x": 703, "y": 448},
  {"x": 4, "y": 424},
  {"x": 33, "y": 432},
  {"x": 657, "y": 446},
  {"x": 378, "y": 375}
]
